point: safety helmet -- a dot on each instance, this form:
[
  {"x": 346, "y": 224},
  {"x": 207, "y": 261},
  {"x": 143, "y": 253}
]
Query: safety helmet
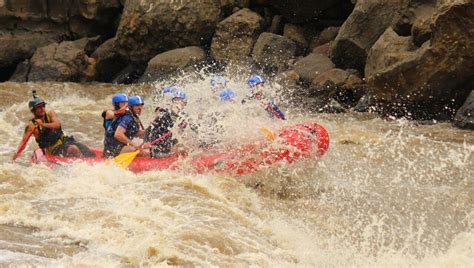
[
  {"x": 135, "y": 100},
  {"x": 35, "y": 101},
  {"x": 217, "y": 79},
  {"x": 226, "y": 95},
  {"x": 181, "y": 95},
  {"x": 171, "y": 89},
  {"x": 119, "y": 97},
  {"x": 175, "y": 92},
  {"x": 255, "y": 80}
]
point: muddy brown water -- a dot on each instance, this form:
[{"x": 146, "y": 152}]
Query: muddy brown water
[{"x": 387, "y": 193}]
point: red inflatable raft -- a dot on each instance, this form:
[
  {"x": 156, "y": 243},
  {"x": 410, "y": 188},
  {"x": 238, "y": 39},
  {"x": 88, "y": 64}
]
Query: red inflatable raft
[{"x": 291, "y": 143}]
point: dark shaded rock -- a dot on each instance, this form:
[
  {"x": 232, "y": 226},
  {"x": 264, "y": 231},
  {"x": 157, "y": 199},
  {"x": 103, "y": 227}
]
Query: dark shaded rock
[
  {"x": 430, "y": 81},
  {"x": 272, "y": 52},
  {"x": 109, "y": 61},
  {"x": 366, "y": 104},
  {"x": 296, "y": 34},
  {"x": 326, "y": 36},
  {"x": 362, "y": 29},
  {"x": 340, "y": 85},
  {"x": 129, "y": 74},
  {"x": 21, "y": 72},
  {"x": 186, "y": 59},
  {"x": 148, "y": 28},
  {"x": 465, "y": 115},
  {"x": 236, "y": 35},
  {"x": 297, "y": 11},
  {"x": 66, "y": 61},
  {"x": 311, "y": 66},
  {"x": 276, "y": 26}
]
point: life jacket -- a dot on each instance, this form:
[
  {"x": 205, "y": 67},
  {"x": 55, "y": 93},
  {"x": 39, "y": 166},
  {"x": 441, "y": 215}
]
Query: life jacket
[
  {"x": 106, "y": 122},
  {"x": 130, "y": 132},
  {"x": 48, "y": 138}
]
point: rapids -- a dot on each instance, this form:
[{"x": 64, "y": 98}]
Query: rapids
[{"x": 387, "y": 193}]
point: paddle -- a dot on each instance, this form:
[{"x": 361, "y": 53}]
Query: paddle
[
  {"x": 125, "y": 159},
  {"x": 23, "y": 144},
  {"x": 270, "y": 135}
]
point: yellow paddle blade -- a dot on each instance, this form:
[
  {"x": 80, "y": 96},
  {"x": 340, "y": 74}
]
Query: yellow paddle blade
[
  {"x": 267, "y": 133},
  {"x": 125, "y": 159}
]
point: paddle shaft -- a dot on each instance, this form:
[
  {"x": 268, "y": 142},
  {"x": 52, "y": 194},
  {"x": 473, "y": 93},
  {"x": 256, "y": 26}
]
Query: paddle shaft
[
  {"x": 161, "y": 138},
  {"x": 23, "y": 144}
]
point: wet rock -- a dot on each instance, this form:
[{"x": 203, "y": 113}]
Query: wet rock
[
  {"x": 430, "y": 81},
  {"x": 109, "y": 61},
  {"x": 174, "y": 61},
  {"x": 236, "y": 35},
  {"x": 66, "y": 61},
  {"x": 311, "y": 66},
  {"x": 272, "y": 52},
  {"x": 361, "y": 30},
  {"x": 148, "y": 28},
  {"x": 296, "y": 34},
  {"x": 338, "y": 84},
  {"x": 465, "y": 115}
]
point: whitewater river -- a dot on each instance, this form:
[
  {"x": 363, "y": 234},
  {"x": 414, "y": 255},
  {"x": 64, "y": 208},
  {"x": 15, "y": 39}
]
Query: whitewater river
[{"x": 387, "y": 193}]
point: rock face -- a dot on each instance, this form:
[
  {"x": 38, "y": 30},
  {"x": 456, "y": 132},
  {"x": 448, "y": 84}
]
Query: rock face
[
  {"x": 148, "y": 27},
  {"x": 109, "y": 60},
  {"x": 430, "y": 81},
  {"x": 362, "y": 29},
  {"x": 66, "y": 61},
  {"x": 272, "y": 52},
  {"x": 311, "y": 66},
  {"x": 27, "y": 25},
  {"x": 465, "y": 116},
  {"x": 173, "y": 61},
  {"x": 235, "y": 36}
]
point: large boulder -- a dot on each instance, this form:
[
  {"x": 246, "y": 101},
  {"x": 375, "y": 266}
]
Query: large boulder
[
  {"x": 430, "y": 81},
  {"x": 148, "y": 27},
  {"x": 110, "y": 60},
  {"x": 174, "y": 61},
  {"x": 296, "y": 34},
  {"x": 28, "y": 25},
  {"x": 66, "y": 61},
  {"x": 339, "y": 85},
  {"x": 236, "y": 35},
  {"x": 465, "y": 115},
  {"x": 361, "y": 30},
  {"x": 272, "y": 52},
  {"x": 311, "y": 66}
]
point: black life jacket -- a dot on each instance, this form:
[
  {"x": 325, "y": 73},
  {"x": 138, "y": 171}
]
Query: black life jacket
[{"x": 47, "y": 136}]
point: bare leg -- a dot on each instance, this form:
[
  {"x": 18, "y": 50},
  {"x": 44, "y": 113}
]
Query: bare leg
[{"x": 73, "y": 150}]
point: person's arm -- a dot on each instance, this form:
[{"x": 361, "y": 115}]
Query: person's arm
[
  {"x": 121, "y": 137},
  {"x": 54, "y": 124},
  {"x": 109, "y": 114}
]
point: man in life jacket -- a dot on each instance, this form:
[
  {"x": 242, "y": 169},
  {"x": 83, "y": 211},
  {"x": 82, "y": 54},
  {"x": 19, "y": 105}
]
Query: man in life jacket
[
  {"x": 122, "y": 130},
  {"x": 119, "y": 101},
  {"x": 164, "y": 121},
  {"x": 257, "y": 92},
  {"x": 220, "y": 90},
  {"x": 48, "y": 132}
]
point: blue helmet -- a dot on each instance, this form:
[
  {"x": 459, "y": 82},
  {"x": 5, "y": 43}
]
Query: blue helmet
[
  {"x": 217, "y": 79},
  {"x": 255, "y": 80},
  {"x": 175, "y": 92},
  {"x": 226, "y": 95},
  {"x": 119, "y": 97},
  {"x": 181, "y": 95},
  {"x": 135, "y": 100},
  {"x": 171, "y": 89}
]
